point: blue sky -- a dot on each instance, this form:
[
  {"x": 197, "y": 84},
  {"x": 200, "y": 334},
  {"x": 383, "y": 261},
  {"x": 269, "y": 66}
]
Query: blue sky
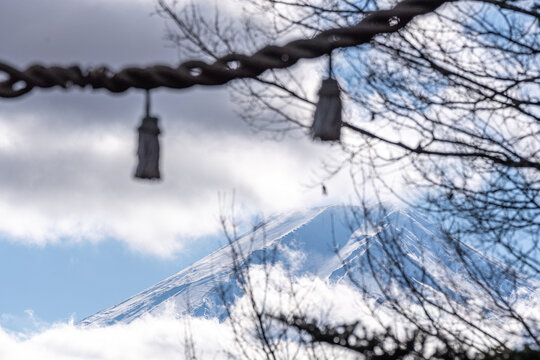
[{"x": 72, "y": 281}]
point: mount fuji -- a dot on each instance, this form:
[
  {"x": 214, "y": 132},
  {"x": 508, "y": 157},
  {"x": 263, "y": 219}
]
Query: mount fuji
[{"x": 333, "y": 244}]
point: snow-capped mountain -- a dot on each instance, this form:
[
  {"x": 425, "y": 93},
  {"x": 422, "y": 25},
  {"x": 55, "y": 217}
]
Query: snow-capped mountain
[{"x": 334, "y": 244}]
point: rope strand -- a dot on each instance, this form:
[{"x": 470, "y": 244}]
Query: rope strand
[
  {"x": 147, "y": 102},
  {"x": 330, "y": 69},
  {"x": 196, "y": 72}
]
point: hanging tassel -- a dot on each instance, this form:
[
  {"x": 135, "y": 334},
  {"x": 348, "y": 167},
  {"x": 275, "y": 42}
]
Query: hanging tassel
[
  {"x": 148, "y": 151},
  {"x": 327, "y": 120}
]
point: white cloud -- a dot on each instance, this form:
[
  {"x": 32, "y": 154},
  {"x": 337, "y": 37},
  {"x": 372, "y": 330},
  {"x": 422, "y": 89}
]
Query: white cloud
[
  {"x": 74, "y": 182},
  {"x": 161, "y": 336}
]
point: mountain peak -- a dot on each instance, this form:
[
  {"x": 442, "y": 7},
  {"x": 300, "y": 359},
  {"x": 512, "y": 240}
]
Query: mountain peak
[{"x": 333, "y": 242}]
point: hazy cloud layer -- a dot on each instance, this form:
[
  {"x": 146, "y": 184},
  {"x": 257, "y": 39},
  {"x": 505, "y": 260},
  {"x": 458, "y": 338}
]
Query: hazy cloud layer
[{"x": 163, "y": 336}]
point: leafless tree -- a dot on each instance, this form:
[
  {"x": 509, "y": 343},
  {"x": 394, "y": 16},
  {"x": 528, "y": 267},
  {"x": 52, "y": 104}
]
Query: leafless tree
[
  {"x": 472, "y": 300},
  {"x": 450, "y": 103}
]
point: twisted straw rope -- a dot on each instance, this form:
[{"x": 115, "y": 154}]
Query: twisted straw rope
[{"x": 223, "y": 70}]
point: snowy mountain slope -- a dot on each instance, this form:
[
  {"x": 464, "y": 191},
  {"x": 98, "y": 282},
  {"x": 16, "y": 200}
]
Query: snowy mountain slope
[
  {"x": 408, "y": 251},
  {"x": 195, "y": 283},
  {"x": 327, "y": 243}
]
